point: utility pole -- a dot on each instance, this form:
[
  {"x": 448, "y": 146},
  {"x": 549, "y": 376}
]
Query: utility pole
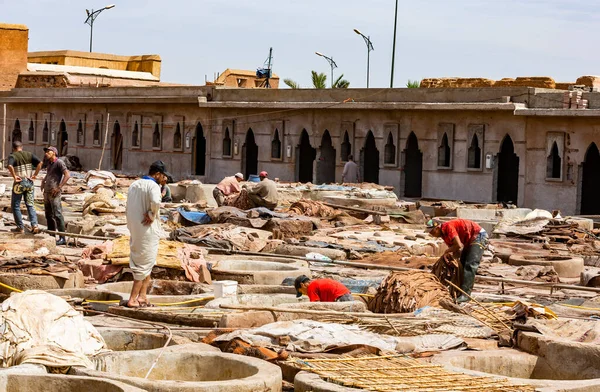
[
  {"x": 332, "y": 64},
  {"x": 91, "y": 17},
  {"x": 369, "y": 49}
]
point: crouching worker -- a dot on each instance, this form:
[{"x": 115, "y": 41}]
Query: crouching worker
[
  {"x": 264, "y": 194},
  {"x": 465, "y": 239},
  {"x": 322, "y": 290},
  {"x": 227, "y": 187}
]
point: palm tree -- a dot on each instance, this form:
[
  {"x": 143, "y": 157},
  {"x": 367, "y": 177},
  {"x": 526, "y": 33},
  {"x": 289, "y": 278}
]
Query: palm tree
[
  {"x": 319, "y": 80},
  {"x": 412, "y": 84},
  {"x": 291, "y": 84},
  {"x": 341, "y": 83}
]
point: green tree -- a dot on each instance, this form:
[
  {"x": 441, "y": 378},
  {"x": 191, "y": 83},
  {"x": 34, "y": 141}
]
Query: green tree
[
  {"x": 291, "y": 84},
  {"x": 319, "y": 80},
  {"x": 341, "y": 82},
  {"x": 412, "y": 84}
]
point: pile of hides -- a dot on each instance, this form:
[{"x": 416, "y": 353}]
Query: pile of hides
[
  {"x": 312, "y": 208},
  {"x": 239, "y": 200},
  {"x": 102, "y": 202},
  {"x": 54, "y": 265},
  {"x": 403, "y": 292},
  {"x": 538, "y": 273},
  {"x": 112, "y": 256},
  {"x": 227, "y": 237},
  {"x": 309, "y": 336},
  {"x": 41, "y": 328},
  {"x": 449, "y": 269},
  {"x": 100, "y": 178}
]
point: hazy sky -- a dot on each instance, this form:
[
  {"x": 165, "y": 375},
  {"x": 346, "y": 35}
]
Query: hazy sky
[{"x": 469, "y": 38}]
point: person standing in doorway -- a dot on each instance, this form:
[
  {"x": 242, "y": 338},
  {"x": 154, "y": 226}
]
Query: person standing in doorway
[
  {"x": 57, "y": 176},
  {"x": 351, "y": 173},
  {"x": 21, "y": 165},
  {"x": 143, "y": 222}
]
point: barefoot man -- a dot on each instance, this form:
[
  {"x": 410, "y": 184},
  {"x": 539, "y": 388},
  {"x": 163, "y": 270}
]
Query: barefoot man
[{"x": 143, "y": 222}]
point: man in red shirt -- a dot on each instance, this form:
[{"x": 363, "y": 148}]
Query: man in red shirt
[
  {"x": 322, "y": 290},
  {"x": 465, "y": 239}
]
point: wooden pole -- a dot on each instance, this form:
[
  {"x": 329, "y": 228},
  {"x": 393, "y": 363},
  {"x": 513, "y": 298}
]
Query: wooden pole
[
  {"x": 104, "y": 144},
  {"x": 3, "y": 135}
]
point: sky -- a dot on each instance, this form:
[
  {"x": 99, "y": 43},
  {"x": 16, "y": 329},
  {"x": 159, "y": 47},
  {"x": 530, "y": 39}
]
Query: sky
[{"x": 435, "y": 38}]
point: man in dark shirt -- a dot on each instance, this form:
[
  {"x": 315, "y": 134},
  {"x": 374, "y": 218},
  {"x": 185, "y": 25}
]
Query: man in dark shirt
[
  {"x": 57, "y": 176},
  {"x": 21, "y": 165}
]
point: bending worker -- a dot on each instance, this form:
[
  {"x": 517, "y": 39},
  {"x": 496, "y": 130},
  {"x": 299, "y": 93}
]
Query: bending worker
[
  {"x": 265, "y": 193},
  {"x": 322, "y": 290},
  {"x": 228, "y": 186},
  {"x": 465, "y": 239}
]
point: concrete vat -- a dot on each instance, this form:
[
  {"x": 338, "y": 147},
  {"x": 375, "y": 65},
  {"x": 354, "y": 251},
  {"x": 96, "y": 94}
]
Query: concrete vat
[
  {"x": 40, "y": 282},
  {"x": 165, "y": 291},
  {"x": 132, "y": 339},
  {"x": 184, "y": 368},
  {"x": 547, "y": 373},
  {"x": 50, "y": 382},
  {"x": 256, "y": 272},
  {"x": 565, "y": 266}
]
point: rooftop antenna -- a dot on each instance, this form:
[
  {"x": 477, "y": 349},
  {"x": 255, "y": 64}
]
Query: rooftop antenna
[{"x": 266, "y": 72}]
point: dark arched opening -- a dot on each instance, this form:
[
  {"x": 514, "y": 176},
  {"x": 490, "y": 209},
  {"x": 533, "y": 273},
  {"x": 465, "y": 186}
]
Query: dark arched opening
[
  {"x": 508, "y": 173},
  {"x": 199, "y": 153},
  {"x": 389, "y": 152},
  {"x": 17, "y": 135},
  {"x": 444, "y": 152},
  {"x": 249, "y": 155},
  {"x": 117, "y": 147},
  {"x": 346, "y": 147},
  {"x": 590, "y": 181},
  {"x": 227, "y": 143},
  {"x": 369, "y": 160},
  {"x": 62, "y": 143},
  {"x": 326, "y": 162},
  {"x": 413, "y": 167},
  {"x": 276, "y": 146},
  {"x": 553, "y": 163},
  {"x": 305, "y": 157},
  {"x": 474, "y": 154},
  {"x": 177, "y": 138}
]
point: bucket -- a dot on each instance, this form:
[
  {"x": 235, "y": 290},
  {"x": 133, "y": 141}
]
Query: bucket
[
  {"x": 225, "y": 288},
  {"x": 253, "y": 178}
]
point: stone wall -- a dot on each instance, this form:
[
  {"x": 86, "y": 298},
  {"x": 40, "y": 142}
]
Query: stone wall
[{"x": 13, "y": 53}]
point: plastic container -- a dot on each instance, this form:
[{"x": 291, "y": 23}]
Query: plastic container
[
  {"x": 225, "y": 288},
  {"x": 253, "y": 178}
]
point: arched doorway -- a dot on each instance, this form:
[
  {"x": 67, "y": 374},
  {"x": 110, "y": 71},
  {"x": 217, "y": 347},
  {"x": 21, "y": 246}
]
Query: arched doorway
[
  {"x": 369, "y": 160},
  {"x": 507, "y": 189},
  {"x": 117, "y": 147},
  {"x": 62, "y": 143},
  {"x": 326, "y": 162},
  {"x": 249, "y": 155},
  {"x": 590, "y": 181},
  {"x": 199, "y": 152},
  {"x": 413, "y": 167},
  {"x": 305, "y": 157},
  {"x": 17, "y": 135}
]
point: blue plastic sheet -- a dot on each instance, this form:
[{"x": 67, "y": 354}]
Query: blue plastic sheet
[{"x": 194, "y": 217}]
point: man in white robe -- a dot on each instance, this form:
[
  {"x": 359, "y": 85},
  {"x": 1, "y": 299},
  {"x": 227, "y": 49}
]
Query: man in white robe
[{"x": 143, "y": 222}]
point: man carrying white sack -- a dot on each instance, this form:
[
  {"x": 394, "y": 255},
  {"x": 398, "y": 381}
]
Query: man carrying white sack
[{"x": 143, "y": 222}]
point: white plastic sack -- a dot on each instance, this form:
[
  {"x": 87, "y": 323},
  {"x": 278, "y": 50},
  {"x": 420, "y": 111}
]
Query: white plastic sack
[{"x": 41, "y": 328}]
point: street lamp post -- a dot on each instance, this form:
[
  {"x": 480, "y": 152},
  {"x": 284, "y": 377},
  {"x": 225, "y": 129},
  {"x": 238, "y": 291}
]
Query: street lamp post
[
  {"x": 369, "y": 49},
  {"x": 332, "y": 64},
  {"x": 394, "y": 44},
  {"x": 91, "y": 17}
]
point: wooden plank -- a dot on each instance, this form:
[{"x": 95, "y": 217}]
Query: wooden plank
[{"x": 163, "y": 317}]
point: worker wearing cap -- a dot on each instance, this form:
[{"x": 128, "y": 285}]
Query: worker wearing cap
[
  {"x": 465, "y": 239},
  {"x": 264, "y": 194},
  {"x": 228, "y": 186},
  {"x": 57, "y": 176},
  {"x": 322, "y": 290},
  {"x": 143, "y": 222}
]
